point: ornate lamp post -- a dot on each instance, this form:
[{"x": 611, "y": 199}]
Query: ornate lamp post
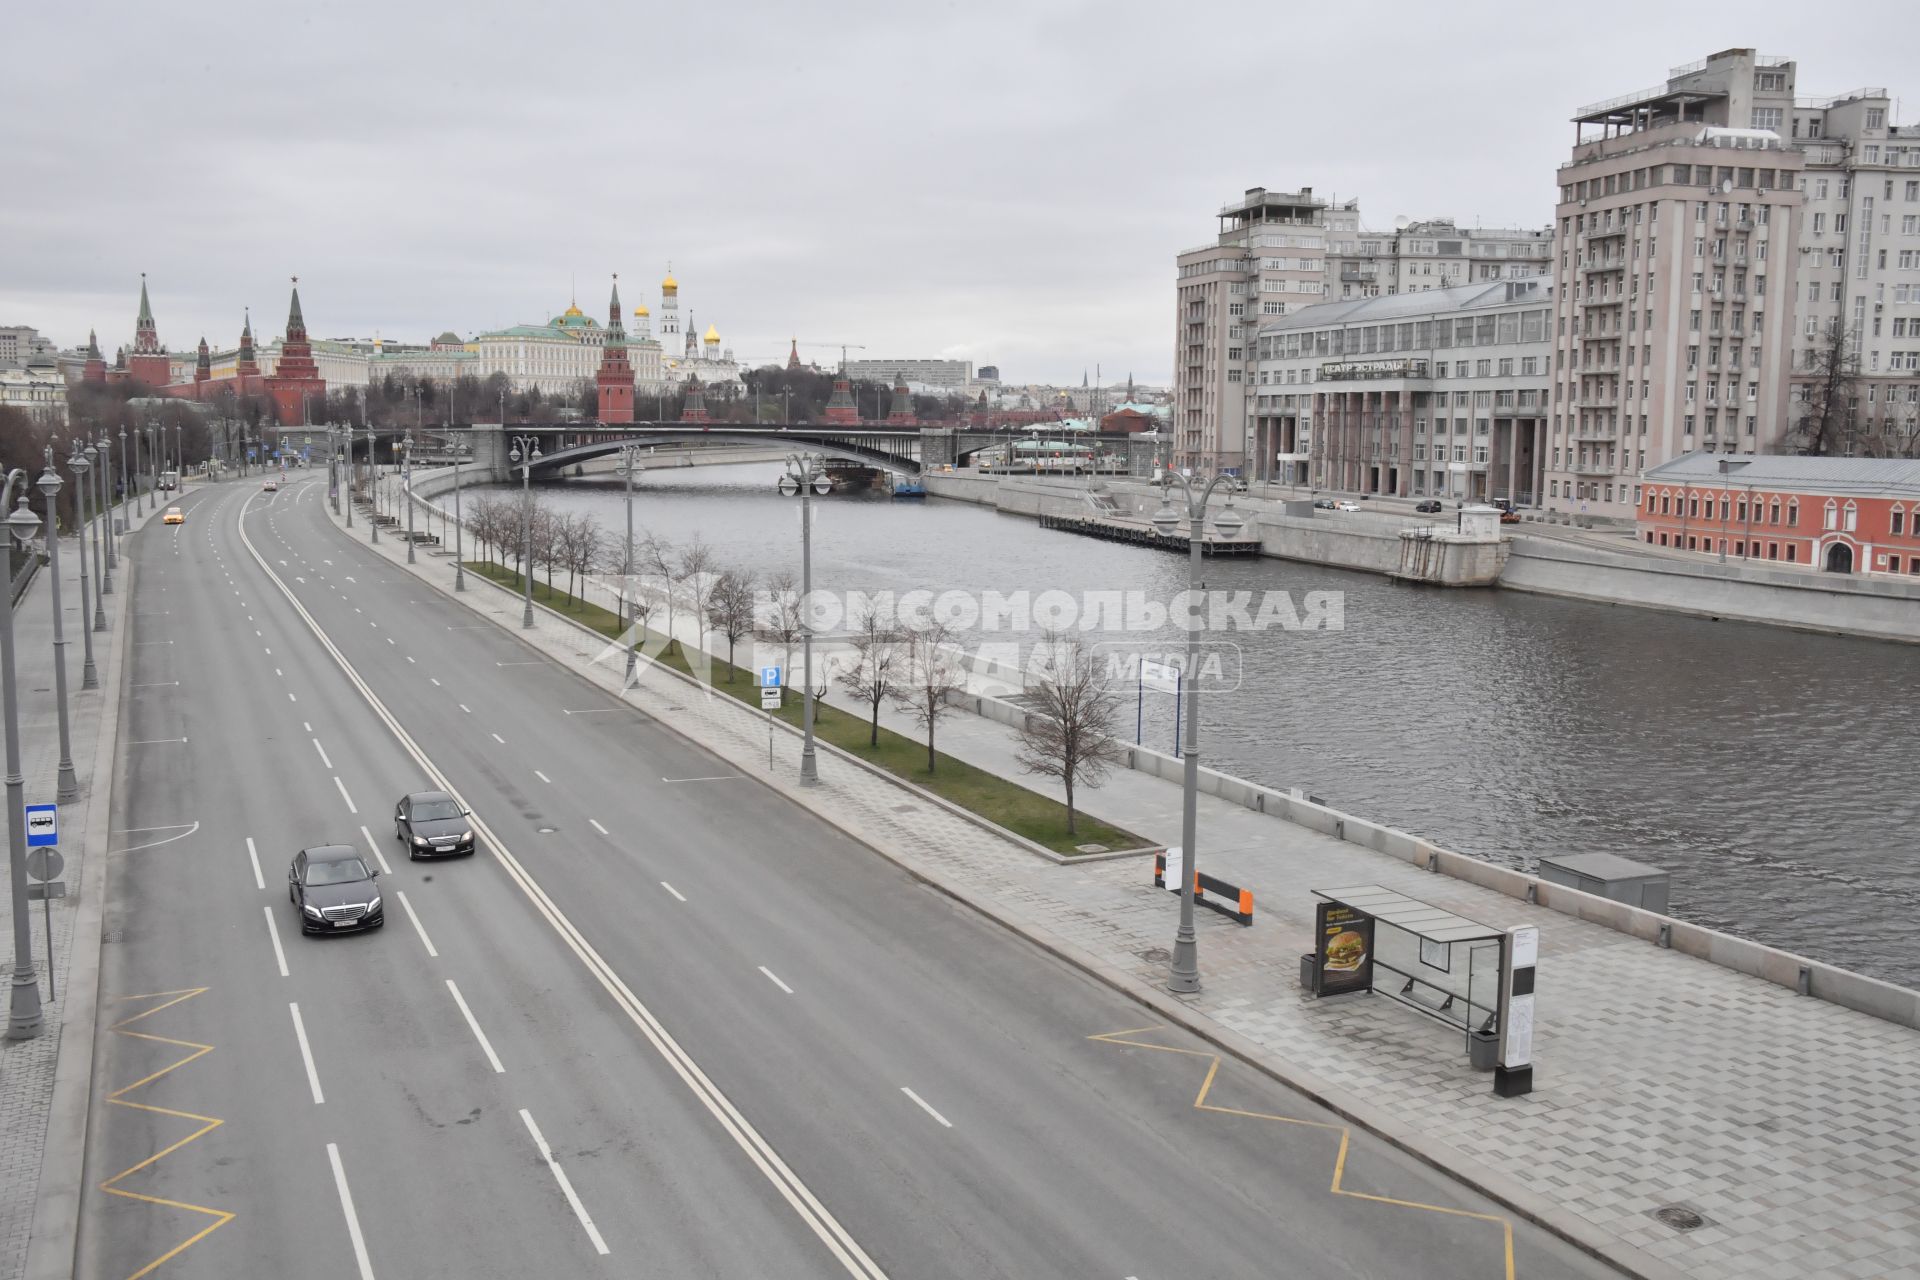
[
  {"x": 99, "y": 564},
  {"x": 628, "y": 463},
  {"x": 78, "y": 464},
  {"x": 126, "y": 486},
  {"x": 106, "y": 489},
  {"x": 68, "y": 787},
  {"x": 406, "y": 487},
  {"x": 23, "y": 1011},
  {"x": 459, "y": 550},
  {"x": 1183, "y": 973},
  {"x": 528, "y": 448},
  {"x": 806, "y": 477}
]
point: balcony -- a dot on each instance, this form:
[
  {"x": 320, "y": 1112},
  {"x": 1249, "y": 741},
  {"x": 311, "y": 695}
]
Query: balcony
[
  {"x": 1611, "y": 262},
  {"x": 1598, "y": 400},
  {"x": 1591, "y": 468}
]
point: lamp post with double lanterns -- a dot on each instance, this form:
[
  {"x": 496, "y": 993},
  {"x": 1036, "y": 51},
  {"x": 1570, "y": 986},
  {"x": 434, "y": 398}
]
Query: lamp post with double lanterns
[
  {"x": 406, "y": 488},
  {"x": 806, "y": 477},
  {"x": 524, "y": 453},
  {"x": 126, "y": 486},
  {"x": 1183, "y": 973},
  {"x": 89, "y": 675},
  {"x": 106, "y": 489},
  {"x": 99, "y": 571},
  {"x": 459, "y": 549},
  {"x": 68, "y": 787},
  {"x": 629, "y": 462},
  {"x": 23, "y": 1009}
]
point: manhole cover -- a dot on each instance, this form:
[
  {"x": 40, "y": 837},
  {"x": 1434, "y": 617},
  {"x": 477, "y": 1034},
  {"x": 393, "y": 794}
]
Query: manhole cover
[
  {"x": 545, "y": 831},
  {"x": 1155, "y": 955},
  {"x": 1092, "y": 848},
  {"x": 1679, "y": 1217}
]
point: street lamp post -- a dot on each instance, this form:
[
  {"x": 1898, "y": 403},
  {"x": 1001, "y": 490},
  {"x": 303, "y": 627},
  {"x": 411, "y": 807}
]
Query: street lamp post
[
  {"x": 49, "y": 485},
  {"x": 106, "y": 488},
  {"x": 78, "y": 464},
  {"x": 347, "y": 466},
  {"x": 99, "y": 569},
  {"x": 126, "y": 486},
  {"x": 806, "y": 477},
  {"x": 459, "y": 551},
  {"x": 629, "y": 459},
  {"x": 528, "y": 448},
  {"x": 23, "y": 1010},
  {"x": 406, "y": 487},
  {"x": 373, "y": 487},
  {"x": 1183, "y": 973}
]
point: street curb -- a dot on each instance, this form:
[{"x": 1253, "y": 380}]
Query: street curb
[
  {"x": 54, "y": 1240},
  {"x": 1498, "y": 1187}
]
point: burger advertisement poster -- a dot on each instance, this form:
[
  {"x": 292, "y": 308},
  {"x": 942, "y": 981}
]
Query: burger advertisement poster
[{"x": 1345, "y": 949}]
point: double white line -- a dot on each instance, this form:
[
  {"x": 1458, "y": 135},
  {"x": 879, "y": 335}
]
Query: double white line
[{"x": 838, "y": 1240}]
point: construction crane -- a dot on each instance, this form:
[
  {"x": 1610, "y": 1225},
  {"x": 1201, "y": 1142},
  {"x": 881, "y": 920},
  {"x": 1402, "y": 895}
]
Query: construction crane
[{"x": 844, "y": 348}]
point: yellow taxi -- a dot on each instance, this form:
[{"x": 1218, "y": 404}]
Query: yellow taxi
[{"x": 174, "y": 516}]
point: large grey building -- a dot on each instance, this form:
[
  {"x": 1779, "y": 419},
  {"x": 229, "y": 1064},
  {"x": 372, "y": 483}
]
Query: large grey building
[
  {"x": 1435, "y": 254},
  {"x": 954, "y": 374},
  {"x": 1434, "y": 393}
]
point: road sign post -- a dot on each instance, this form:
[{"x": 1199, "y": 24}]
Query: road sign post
[
  {"x": 43, "y": 825},
  {"x": 44, "y": 865}
]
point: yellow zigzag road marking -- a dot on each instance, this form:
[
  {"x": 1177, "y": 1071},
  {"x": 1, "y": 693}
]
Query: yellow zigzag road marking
[
  {"x": 1200, "y": 1103},
  {"x": 208, "y": 1124}
]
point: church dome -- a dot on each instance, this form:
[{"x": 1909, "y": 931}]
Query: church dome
[
  {"x": 641, "y": 311},
  {"x": 713, "y": 335},
  {"x": 670, "y": 284}
]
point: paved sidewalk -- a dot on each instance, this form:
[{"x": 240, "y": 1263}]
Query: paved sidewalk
[
  {"x": 42, "y": 1128},
  {"x": 1661, "y": 1080}
]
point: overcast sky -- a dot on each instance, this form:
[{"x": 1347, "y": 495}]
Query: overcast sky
[{"x": 1006, "y": 183}]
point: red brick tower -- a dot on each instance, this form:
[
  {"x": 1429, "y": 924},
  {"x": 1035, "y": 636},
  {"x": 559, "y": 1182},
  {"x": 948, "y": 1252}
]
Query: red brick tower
[
  {"x": 95, "y": 369},
  {"x": 900, "y": 408},
  {"x": 696, "y": 406},
  {"x": 841, "y": 410},
  {"x": 245, "y": 366},
  {"x": 793, "y": 356},
  {"x": 148, "y": 363},
  {"x": 203, "y": 364},
  {"x": 615, "y": 379},
  {"x": 296, "y": 385}
]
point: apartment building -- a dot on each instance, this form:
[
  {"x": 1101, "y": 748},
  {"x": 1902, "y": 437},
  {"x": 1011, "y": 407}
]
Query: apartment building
[
  {"x": 1268, "y": 259},
  {"x": 1673, "y": 305},
  {"x": 1429, "y": 393},
  {"x": 1435, "y": 254},
  {"x": 1858, "y": 276}
]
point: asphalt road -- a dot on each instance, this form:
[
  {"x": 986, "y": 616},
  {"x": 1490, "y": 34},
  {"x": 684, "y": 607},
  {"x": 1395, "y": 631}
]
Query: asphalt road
[{"x": 750, "y": 1047}]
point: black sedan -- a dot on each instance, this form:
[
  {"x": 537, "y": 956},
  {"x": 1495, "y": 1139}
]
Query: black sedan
[
  {"x": 1427, "y": 508},
  {"x": 334, "y": 889},
  {"x": 433, "y": 824}
]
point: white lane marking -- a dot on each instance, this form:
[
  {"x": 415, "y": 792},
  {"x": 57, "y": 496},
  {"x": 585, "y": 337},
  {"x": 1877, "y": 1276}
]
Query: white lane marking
[
  {"x": 184, "y": 828},
  {"x": 725, "y": 777},
  {"x": 534, "y": 663},
  {"x": 155, "y": 742},
  {"x": 485, "y": 1047},
  {"x": 353, "y": 1219},
  {"x": 409, "y": 657},
  {"x": 799, "y": 1196},
  {"x": 307, "y": 726},
  {"x": 153, "y": 684},
  {"x": 774, "y": 979},
  {"x": 277, "y": 671},
  {"x": 464, "y": 707},
  {"x": 436, "y": 683},
  {"x": 306, "y": 1055},
  {"x": 675, "y": 892},
  {"x": 378, "y": 856},
  {"x": 497, "y": 738},
  {"x": 351, "y": 807},
  {"x": 291, "y": 698},
  {"x": 597, "y": 827},
  {"x": 323, "y": 753},
  {"x": 418, "y": 928},
  {"x": 269, "y": 653},
  {"x": 590, "y": 711},
  {"x": 543, "y": 777},
  {"x": 273, "y": 931},
  {"x": 253, "y": 856},
  {"x": 924, "y": 1107},
  {"x": 566, "y": 1187},
  {"x": 389, "y": 638}
]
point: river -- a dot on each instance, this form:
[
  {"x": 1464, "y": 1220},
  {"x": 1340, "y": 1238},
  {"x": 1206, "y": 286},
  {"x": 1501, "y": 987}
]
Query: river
[{"x": 1772, "y": 772}]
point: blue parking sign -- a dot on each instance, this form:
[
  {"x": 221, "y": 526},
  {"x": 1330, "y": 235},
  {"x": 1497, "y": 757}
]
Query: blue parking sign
[{"x": 769, "y": 677}]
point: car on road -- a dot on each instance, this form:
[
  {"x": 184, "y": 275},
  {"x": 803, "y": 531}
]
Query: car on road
[
  {"x": 1509, "y": 516},
  {"x": 1430, "y": 507},
  {"x": 271, "y": 485},
  {"x": 1346, "y": 506},
  {"x": 174, "y": 516},
  {"x": 335, "y": 890},
  {"x": 432, "y": 824},
  {"x": 1323, "y": 504}
]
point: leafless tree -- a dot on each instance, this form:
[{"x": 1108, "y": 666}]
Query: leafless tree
[
  {"x": 782, "y": 619},
  {"x": 547, "y": 529},
  {"x": 630, "y": 562},
  {"x": 662, "y": 561},
  {"x": 696, "y": 570},
  {"x": 931, "y": 671},
  {"x": 1824, "y": 419},
  {"x": 1068, "y": 731},
  {"x": 581, "y": 543},
  {"x": 873, "y": 672},
  {"x": 1894, "y": 434},
  {"x": 733, "y": 600}
]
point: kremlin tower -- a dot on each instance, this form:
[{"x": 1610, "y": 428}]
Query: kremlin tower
[
  {"x": 615, "y": 379},
  {"x": 95, "y": 369},
  {"x": 793, "y": 356},
  {"x": 148, "y": 363},
  {"x": 245, "y": 366},
  {"x": 696, "y": 406},
  {"x": 900, "y": 408},
  {"x": 203, "y": 363},
  {"x": 669, "y": 312},
  {"x": 296, "y": 385},
  {"x": 841, "y": 410}
]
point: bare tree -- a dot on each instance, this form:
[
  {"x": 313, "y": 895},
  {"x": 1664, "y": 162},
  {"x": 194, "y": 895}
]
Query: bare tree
[
  {"x": 1068, "y": 731},
  {"x": 547, "y": 531},
  {"x": 629, "y": 562},
  {"x": 1824, "y": 423},
  {"x": 873, "y": 673},
  {"x": 931, "y": 671},
  {"x": 696, "y": 570},
  {"x": 733, "y": 609},
  {"x": 1895, "y": 434},
  {"x": 583, "y": 543},
  {"x": 782, "y": 619},
  {"x": 663, "y": 562}
]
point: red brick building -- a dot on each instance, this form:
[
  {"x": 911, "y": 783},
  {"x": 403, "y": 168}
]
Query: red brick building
[
  {"x": 1843, "y": 515},
  {"x": 614, "y": 381}
]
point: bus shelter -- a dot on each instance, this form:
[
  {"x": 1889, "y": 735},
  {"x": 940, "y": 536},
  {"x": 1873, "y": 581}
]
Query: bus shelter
[{"x": 1371, "y": 938}]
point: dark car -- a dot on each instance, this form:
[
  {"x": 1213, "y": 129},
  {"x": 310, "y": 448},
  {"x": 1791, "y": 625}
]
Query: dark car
[
  {"x": 1323, "y": 504},
  {"x": 1430, "y": 507},
  {"x": 1509, "y": 516},
  {"x": 334, "y": 889},
  {"x": 433, "y": 824}
]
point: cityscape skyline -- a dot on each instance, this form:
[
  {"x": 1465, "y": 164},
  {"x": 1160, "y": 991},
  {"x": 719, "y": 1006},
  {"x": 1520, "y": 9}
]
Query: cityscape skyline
[{"x": 1022, "y": 145}]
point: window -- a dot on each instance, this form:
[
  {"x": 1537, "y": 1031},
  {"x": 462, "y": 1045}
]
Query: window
[
  {"x": 1876, "y": 118},
  {"x": 1766, "y": 117},
  {"x": 1833, "y": 514},
  {"x": 1851, "y": 522},
  {"x": 1897, "y": 522}
]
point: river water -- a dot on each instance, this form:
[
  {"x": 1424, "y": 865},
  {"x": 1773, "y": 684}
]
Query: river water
[{"x": 1772, "y": 772}]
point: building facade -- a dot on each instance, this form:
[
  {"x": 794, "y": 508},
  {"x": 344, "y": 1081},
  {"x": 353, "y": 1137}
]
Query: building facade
[
  {"x": 944, "y": 375},
  {"x": 1434, "y": 254},
  {"x": 1843, "y": 515},
  {"x": 1268, "y": 258},
  {"x": 1434, "y": 393}
]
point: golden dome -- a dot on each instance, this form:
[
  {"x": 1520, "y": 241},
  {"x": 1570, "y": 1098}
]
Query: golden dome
[
  {"x": 670, "y": 284},
  {"x": 713, "y": 335},
  {"x": 641, "y": 310},
  {"x": 573, "y": 311}
]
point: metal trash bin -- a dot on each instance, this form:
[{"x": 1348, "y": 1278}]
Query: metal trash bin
[
  {"x": 1483, "y": 1049},
  {"x": 1307, "y": 963}
]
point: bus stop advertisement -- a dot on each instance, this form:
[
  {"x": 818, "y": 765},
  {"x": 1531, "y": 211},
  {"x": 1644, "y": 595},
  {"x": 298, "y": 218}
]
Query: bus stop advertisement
[{"x": 1343, "y": 950}]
